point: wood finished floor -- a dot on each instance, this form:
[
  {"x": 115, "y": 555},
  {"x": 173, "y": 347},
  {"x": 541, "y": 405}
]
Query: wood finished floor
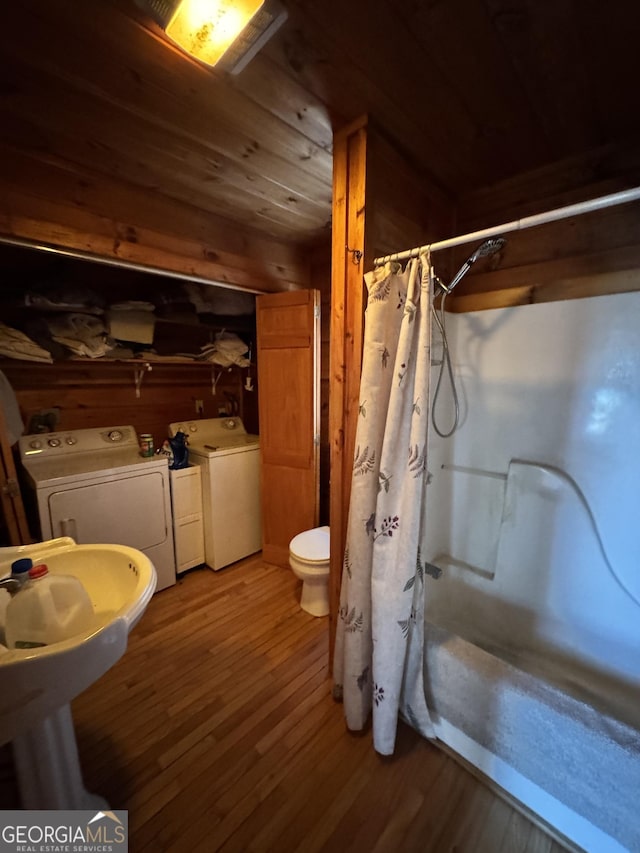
[{"x": 217, "y": 731}]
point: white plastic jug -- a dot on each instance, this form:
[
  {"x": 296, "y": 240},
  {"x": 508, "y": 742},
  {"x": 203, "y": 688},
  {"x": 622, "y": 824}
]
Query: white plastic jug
[{"x": 49, "y": 609}]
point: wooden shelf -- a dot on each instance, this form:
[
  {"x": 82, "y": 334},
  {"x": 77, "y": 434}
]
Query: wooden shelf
[
  {"x": 170, "y": 337},
  {"x": 72, "y": 364}
]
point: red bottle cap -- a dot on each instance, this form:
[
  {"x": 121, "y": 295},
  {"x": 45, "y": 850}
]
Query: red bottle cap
[{"x": 39, "y": 571}]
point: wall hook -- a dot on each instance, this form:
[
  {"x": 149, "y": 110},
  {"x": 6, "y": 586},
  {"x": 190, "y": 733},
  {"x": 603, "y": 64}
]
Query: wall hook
[
  {"x": 356, "y": 255},
  {"x": 138, "y": 375}
]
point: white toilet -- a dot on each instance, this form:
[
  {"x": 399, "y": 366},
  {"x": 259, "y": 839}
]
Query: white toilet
[{"x": 309, "y": 559}]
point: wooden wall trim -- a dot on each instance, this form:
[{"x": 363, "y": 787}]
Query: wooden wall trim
[
  {"x": 347, "y": 324},
  {"x": 378, "y": 200}
]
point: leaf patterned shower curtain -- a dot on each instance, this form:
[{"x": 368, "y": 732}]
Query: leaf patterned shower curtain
[{"x": 380, "y": 633}]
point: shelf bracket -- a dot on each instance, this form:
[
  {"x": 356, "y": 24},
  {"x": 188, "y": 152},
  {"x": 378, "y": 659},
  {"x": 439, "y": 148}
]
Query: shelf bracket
[
  {"x": 214, "y": 380},
  {"x": 138, "y": 376}
]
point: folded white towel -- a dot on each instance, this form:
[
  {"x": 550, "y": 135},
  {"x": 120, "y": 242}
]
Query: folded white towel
[{"x": 15, "y": 344}]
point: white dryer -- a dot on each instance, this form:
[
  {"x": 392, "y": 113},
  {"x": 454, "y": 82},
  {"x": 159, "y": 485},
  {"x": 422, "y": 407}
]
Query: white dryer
[
  {"x": 93, "y": 485},
  {"x": 229, "y": 458}
]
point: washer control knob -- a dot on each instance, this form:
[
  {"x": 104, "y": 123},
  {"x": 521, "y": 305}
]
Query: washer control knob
[
  {"x": 35, "y": 445},
  {"x": 54, "y": 442},
  {"x": 71, "y": 440},
  {"x": 229, "y": 423},
  {"x": 115, "y": 435},
  {"x": 193, "y": 428}
]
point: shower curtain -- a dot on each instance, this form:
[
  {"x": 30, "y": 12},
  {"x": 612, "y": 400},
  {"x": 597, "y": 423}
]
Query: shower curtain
[{"x": 380, "y": 632}]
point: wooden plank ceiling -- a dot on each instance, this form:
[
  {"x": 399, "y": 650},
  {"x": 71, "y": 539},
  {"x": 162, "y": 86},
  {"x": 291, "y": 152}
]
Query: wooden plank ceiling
[{"x": 471, "y": 91}]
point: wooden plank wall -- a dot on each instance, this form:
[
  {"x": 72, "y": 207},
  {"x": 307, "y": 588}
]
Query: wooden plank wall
[
  {"x": 88, "y": 394},
  {"x": 589, "y": 255},
  {"x": 347, "y": 306},
  {"x": 47, "y": 204},
  {"x": 378, "y": 201},
  {"x": 405, "y": 209}
]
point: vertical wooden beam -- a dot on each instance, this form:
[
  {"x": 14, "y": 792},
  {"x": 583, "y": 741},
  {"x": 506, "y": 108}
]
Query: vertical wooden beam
[
  {"x": 378, "y": 200},
  {"x": 347, "y": 325}
]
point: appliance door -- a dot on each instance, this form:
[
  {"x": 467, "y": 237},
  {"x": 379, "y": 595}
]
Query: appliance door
[
  {"x": 132, "y": 511},
  {"x": 234, "y": 523}
]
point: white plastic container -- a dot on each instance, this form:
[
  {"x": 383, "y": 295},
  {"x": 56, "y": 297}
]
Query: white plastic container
[{"x": 49, "y": 609}]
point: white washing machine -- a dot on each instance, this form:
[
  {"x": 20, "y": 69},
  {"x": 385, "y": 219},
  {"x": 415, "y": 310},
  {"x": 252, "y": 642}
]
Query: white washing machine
[
  {"x": 93, "y": 485},
  {"x": 229, "y": 458}
]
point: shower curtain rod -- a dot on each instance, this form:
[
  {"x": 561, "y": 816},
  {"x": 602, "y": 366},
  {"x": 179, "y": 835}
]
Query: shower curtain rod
[{"x": 519, "y": 224}]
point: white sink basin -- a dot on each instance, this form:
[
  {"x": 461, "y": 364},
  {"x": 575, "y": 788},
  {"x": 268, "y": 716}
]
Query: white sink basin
[{"x": 37, "y": 685}]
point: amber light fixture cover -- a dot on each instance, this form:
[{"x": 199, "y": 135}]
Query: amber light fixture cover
[
  {"x": 223, "y": 33},
  {"x": 207, "y": 28}
]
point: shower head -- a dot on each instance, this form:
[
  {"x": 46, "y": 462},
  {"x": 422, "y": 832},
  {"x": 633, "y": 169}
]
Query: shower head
[
  {"x": 489, "y": 247},
  {"x": 484, "y": 250}
]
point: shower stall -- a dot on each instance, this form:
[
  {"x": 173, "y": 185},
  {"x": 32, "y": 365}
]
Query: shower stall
[{"x": 532, "y": 661}]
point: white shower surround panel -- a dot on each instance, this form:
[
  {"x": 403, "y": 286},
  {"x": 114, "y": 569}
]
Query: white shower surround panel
[
  {"x": 524, "y": 577},
  {"x": 556, "y": 384}
]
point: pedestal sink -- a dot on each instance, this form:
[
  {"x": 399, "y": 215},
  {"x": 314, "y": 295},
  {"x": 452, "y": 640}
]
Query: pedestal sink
[{"x": 37, "y": 685}]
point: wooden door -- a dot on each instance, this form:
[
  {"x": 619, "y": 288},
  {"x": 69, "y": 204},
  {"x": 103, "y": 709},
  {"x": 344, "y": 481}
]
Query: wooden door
[{"x": 288, "y": 332}]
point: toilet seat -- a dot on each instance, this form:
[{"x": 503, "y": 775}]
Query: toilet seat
[{"x": 311, "y": 546}]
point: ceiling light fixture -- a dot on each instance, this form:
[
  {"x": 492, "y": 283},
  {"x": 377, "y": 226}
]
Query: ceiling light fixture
[{"x": 224, "y": 33}]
